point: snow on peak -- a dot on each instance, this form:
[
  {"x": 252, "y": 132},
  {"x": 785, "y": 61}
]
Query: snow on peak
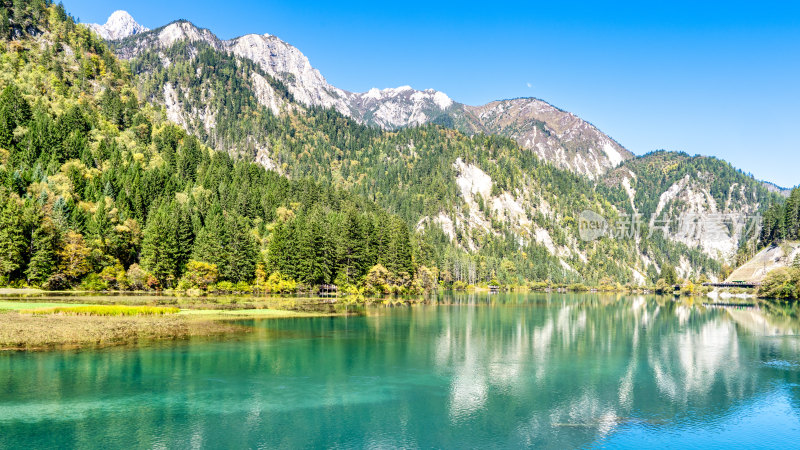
[
  {"x": 118, "y": 26},
  {"x": 374, "y": 94},
  {"x": 442, "y": 100}
]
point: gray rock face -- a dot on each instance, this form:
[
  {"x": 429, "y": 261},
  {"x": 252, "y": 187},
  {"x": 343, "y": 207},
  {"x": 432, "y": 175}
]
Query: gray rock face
[
  {"x": 118, "y": 26},
  {"x": 556, "y": 136}
]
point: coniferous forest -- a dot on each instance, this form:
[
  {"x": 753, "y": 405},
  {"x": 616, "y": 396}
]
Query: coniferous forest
[{"x": 99, "y": 190}]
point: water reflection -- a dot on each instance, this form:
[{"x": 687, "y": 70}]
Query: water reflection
[{"x": 467, "y": 370}]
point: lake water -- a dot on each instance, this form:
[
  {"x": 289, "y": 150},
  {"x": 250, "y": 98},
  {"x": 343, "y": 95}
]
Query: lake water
[{"x": 471, "y": 371}]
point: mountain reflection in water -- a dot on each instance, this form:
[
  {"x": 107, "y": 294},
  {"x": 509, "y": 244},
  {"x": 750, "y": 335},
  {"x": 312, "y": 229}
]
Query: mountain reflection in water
[{"x": 505, "y": 370}]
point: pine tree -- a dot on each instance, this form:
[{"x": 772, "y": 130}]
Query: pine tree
[
  {"x": 397, "y": 256},
  {"x": 210, "y": 243},
  {"x": 669, "y": 274},
  {"x": 14, "y": 111},
  {"x": 242, "y": 251},
  {"x": 100, "y": 225},
  {"x": 5, "y": 25},
  {"x": 281, "y": 253},
  {"x": 159, "y": 247},
  {"x": 352, "y": 251},
  {"x": 12, "y": 238},
  {"x": 184, "y": 236},
  {"x": 44, "y": 252}
]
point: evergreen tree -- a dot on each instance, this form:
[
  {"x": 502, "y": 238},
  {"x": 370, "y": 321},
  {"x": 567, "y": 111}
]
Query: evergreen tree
[
  {"x": 5, "y": 25},
  {"x": 184, "y": 236},
  {"x": 160, "y": 246},
  {"x": 669, "y": 274},
  {"x": 242, "y": 251},
  {"x": 210, "y": 243},
  {"x": 397, "y": 256},
  {"x": 281, "y": 254},
  {"x": 352, "y": 252},
  {"x": 44, "y": 256},
  {"x": 14, "y": 111},
  {"x": 12, "y": 238},
  {"x": 100, "y": 225}
]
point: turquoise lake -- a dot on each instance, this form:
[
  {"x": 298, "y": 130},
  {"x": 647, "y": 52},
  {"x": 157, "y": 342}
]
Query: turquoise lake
[{"x": 468, "y": 371}]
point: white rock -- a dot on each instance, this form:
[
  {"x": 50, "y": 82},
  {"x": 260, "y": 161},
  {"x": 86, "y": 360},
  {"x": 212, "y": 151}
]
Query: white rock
[{"x": 118, "y": 26}]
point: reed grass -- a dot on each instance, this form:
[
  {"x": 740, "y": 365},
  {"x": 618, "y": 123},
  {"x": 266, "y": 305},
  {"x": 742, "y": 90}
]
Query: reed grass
[
  {"x": 51, "y": 331},
  {"x": 106, "y": 310}
]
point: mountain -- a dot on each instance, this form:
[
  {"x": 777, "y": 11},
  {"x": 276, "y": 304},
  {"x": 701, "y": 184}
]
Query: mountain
[
  {"x": 118, "y": 26},
  {"x": 700, "y": 201},
  {"x": 772, "y": 187},
  {"x": 469, "y": 180},
  {"x": 98, "y": 190},
  {"x": 476, "y": 200},
  {"x": 556, "y": 136}
]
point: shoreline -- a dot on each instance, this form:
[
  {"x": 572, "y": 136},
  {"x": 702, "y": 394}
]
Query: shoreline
[
  {"x": 23, "y": 330},
  {"x": 27, "y": 325}
]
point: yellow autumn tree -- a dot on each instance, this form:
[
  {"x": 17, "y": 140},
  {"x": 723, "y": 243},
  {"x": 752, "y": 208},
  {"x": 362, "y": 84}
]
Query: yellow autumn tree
[{"x": 74, "y": 256}]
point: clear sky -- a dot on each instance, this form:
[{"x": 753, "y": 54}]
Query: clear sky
[{"x": 701, "y": 77}]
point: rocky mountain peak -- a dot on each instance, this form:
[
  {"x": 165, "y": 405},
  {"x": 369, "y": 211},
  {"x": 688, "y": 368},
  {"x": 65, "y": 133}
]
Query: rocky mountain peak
[
  {"x": 556, "y": 136},
  {"x": 118, "y": 26},
  {"x": 288, "y": 64}
]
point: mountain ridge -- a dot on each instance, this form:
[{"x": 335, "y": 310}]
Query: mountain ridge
[
  {"x": 481, "y": 196},
  {"x": 579, "y": 146}
]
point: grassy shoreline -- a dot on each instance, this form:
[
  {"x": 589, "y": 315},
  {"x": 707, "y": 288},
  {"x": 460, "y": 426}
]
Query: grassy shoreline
[
  {"x": 41, "y": 322},
  {"x": 32, "y": 319}
]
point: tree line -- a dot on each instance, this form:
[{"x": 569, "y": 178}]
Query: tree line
[{"x": 97, "y": 189}]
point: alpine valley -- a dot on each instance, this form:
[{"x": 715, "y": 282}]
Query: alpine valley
[{"x": 123, "y": 147}]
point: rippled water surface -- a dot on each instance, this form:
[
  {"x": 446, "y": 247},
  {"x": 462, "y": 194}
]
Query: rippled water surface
[{"x": 472, "y": 371}]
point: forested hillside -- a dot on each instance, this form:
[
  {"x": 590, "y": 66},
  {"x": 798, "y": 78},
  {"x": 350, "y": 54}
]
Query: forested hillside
[
  {"x": 782, "y": 220},
  {"x": 484, "y": 207},
  {"x": 100, "y": 190},
  {"x": 700, "y": 201}
]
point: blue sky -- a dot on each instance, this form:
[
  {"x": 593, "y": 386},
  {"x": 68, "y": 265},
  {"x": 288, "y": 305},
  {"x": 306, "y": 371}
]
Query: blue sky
[{"x": 701, "y": 77}]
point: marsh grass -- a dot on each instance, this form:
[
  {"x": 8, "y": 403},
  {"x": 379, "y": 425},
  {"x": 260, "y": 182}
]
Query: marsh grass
[
  {"x": 51, "y": 321},
  {"x": 40, "y": 332},
  {"x": 105, "y": 310}
]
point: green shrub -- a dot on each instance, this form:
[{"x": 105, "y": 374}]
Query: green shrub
[
  {"x": 93, "y": 282},
  {"x": 578, "y": 287},
  {"x": 459, "y": 286},
  {"x": 243, "y": 287},
  {"x": 278, "y": 284},
  {"x": 781, "y": 284},
  {"x": 199, "y": 274},
  {"x": 225, "y": 286},
  {"x": 56, "y": 282}
]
